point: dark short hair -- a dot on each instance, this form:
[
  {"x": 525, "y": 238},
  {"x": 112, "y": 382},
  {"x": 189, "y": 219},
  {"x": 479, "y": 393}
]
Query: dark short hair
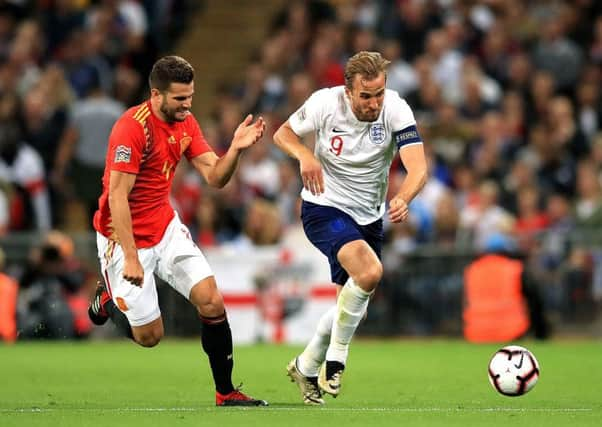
[
  {"x": 168, "y": 70},
  {"x": 367, "y": 64}
]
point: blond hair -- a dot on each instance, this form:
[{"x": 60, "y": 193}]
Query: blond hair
[{"x": 367, "y": 64}]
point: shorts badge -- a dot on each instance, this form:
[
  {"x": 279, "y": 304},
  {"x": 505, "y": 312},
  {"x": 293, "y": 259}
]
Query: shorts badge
[{"x": 121, "y": 304}]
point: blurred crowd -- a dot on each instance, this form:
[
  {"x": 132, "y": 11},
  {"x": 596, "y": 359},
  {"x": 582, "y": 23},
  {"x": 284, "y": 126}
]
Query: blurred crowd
[
  {"x": 68, "y": 69},
  {"x": 506, "y": 93}
]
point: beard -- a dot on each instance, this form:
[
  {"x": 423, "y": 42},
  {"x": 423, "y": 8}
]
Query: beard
[
  {"x": 171, "y": 113},
  {"x": 365, "y": 115},
  {"x": 368, "y": 116}
]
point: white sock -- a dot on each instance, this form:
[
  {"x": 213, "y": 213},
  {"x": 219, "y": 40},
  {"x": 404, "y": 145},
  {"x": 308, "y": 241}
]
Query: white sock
[
  {"x": 351, "y": 306},
  {"x": 308, "y": 362}
]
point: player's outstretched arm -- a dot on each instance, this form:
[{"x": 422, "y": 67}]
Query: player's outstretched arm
[
  {"x": 309, "y": 166},
  {"x": 217, "y": 171},
  {"x": 414, "y": 162}
]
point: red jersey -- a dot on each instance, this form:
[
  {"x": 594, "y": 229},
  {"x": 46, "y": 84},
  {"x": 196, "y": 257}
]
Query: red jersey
[{"x": 144, "y": 145}]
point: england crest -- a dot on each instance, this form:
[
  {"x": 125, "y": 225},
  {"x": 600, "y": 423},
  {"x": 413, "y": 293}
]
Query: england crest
[{"x": 377, "y": 133}]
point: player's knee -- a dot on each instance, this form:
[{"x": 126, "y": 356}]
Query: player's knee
[
  {"x": 149, "y": 339},
  {"x": 207, "y": 298},
  {"x": 212, "y": 305},
  {"x": 370, "y": 276},
  {"x": 216, "y": 301}
]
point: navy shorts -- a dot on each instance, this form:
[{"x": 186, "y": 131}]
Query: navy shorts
[{"x": 328, "y": 229}]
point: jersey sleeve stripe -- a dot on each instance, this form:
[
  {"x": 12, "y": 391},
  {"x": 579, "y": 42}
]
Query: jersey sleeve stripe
[
  {"x": 143, "y": 117},
  {"x": 142, "y": 110},
  {"x": 406, "y": 136}
]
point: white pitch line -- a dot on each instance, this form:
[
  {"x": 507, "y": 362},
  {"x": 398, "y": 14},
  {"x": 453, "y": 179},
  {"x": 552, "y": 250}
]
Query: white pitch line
[{"x": 288, "y": 409}]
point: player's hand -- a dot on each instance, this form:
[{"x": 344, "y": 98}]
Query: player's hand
[
  {"x": 311, "y": 174},
  {"x": 398, "y": 209},
  {"x": 133, "y": 272},
  {"x": 248, "y": 133}
]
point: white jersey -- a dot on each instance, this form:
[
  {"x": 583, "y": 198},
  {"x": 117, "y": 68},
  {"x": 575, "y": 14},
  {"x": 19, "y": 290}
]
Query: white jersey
[{"x": 355, "y": 156}]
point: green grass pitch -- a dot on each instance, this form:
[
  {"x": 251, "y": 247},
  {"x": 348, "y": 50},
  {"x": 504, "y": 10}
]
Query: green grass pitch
[{"x": 387, "y": 383}]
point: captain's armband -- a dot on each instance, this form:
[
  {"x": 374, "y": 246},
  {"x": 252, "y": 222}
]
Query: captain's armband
[{"x": 407, "y": 136}]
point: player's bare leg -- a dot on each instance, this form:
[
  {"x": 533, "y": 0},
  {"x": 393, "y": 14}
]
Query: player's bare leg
[
  {"x": 216, "y": 338},
  {"x": 365, "y": 271},
  {"x": 150, "y": 334}
]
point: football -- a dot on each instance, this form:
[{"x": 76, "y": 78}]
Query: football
[{"x": 513, "y": 370}]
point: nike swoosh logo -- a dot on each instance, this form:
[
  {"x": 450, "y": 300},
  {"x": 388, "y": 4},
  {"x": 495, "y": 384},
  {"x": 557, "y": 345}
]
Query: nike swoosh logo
[
  {"x": 520, "y": 364},
  {"x": 336, "y": 130}
]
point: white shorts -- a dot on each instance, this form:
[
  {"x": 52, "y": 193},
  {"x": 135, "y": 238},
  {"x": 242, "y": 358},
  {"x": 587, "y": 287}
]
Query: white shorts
[{"x": 176, "y": 259}]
